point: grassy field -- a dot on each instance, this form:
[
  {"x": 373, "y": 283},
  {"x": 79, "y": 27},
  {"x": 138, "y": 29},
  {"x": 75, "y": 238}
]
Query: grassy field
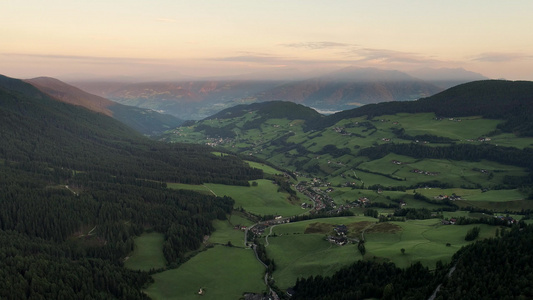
[
  {"x": 423, "y": 240},
  {"x": 148, "y": 253},
  {"x": 266, "y": 169},
  {"x": 263, "y": 199},
  {"x": 225, "y": 232},
  {"x": 300, "y": 254},
  {"x": 193, "y": 187},
  {"x": 222, "y": 272}
]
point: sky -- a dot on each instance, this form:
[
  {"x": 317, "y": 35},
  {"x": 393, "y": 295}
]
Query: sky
[{"x": 173, "y": 39}]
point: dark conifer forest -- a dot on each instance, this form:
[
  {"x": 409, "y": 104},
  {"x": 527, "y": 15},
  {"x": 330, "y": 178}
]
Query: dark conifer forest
[{"x": 76, "y": 187}]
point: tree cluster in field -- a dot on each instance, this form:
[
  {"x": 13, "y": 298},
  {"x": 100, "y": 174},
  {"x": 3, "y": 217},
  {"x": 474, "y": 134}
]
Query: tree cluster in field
[
  {"x": 262, "y": 255},
  {"x": 367, "y": 279},
  {"x": 216, "y": 132},
  {"x": 505, "y": 155},
  {"x": 472, "y": 234},
  {"x": 400, "y": 133},
  {"x": 414, "y": 213},
  {"x": 319, "y": 215}
]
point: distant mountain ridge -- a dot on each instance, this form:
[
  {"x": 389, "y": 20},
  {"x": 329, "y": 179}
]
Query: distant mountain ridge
[
  {"x": 145, "y": 121},
  {"x": 335, "y": 91},
  {"x": 352, "y": 87},
  {"x": 446, "y": 77},
  {"x": 184, "y": 99}
]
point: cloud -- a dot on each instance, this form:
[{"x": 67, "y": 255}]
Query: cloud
[
  {"x": 254, "y": 59},
  {"x": 502, "y": 57},
  {"x": 87, "y": 59},
  {"x": 358, "y": 56},
  {"x": 317, "y": 45},
  {"x": 388, "y": 56},
  {"x": 166, "y": 20}
]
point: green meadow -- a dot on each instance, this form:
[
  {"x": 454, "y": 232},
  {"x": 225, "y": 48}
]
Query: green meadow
[
  {"x": 221, "y": 272},
  {"x": 148, "y": 253},
  {"x": 266, "y": 169},
  {"x": 193, "y": 187},
  {"x": 300, "y": 254},
  {"x": 263, "y": 199}
]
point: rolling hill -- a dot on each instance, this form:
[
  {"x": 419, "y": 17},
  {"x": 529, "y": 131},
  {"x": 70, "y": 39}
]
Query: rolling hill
[{"x": 145, "y": 121}]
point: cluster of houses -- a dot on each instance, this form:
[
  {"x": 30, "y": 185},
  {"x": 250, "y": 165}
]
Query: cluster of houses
[
  {"x": 320, "y": 198},
  {"x": 397, "y": 162},
  {"x": 480, "y": 139},
  {"x": 453, "y": 197},
  {"x": 449, "y": 222},
  {"x": 259, "y": 229},
  {"x": 339, "y": 238},
  {"x": 342, "y": 131},
  {"x": 214, "y": 142},
  {"x": 425, "y": 172},
  {"x": 510, "y": 220}
]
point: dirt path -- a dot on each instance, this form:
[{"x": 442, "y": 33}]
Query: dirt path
[
  {"x": 363, "y": 232},
  {"x": 266, "y": 237},
  {"x": 432, "y": 297},
  {"x": 210, "y": 190}
]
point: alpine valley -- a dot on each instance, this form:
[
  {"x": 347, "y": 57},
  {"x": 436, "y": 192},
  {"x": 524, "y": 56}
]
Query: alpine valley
[{"x": 262, "y": 197}]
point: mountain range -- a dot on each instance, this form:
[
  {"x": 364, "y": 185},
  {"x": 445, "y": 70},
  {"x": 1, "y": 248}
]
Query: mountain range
[
  {"x": 335, "y": 91},
  {"x": 144, "y": 120}
]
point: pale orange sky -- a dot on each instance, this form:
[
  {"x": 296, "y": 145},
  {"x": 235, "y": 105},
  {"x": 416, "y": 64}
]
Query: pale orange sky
[{"x": 173, "y": 38}]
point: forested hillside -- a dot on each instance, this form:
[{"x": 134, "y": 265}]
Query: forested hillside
[
  {"x": 143, "y": 120},
  {"x": 497, "y": 99},
  {"x": 77, "y": 187}
]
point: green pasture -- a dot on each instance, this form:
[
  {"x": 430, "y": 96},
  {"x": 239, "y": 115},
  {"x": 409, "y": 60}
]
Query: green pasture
[
  {"x": 474, "y": 195},
  {"x": 263, "y": 199},
  {"x": 423, "y": 240},
  {"x": 301, "y": 255},
  {"x": 516, "y": 206},
  {"x": 457, "y": 173},
  {"x": 425, "y": 123},
  {"x": 193, "y": 187},
  {"x": 221, "y": 272},
  {"x": 266, "y": 169},
  {"x": 511, "y": 140},
  {"x": 225, "y": 231},
  {"x": 148, "y": 252}
]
